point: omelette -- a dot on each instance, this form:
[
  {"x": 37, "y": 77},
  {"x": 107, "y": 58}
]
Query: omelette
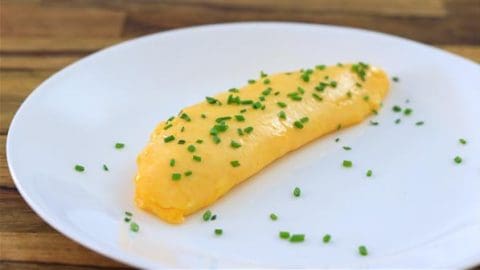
[{"x": 196, "y": 157}]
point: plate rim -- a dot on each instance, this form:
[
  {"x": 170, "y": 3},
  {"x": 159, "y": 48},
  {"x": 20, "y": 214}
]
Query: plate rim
[{"x": 135, "y": 260}]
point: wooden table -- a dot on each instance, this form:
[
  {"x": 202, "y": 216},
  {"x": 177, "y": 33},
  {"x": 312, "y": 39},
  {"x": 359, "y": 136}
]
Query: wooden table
[{"x": 39, "y": 37}]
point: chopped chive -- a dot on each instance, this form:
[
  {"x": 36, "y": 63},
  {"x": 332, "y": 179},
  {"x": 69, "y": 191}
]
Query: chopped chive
[
  {"x": 79, "y": 168},
  {"x": 419, "y": 123},
  {"x": 172, "y": 162},
  {"x": 170, "y": 119},
  {"x": 373, "y": 123},
  {"x": 281, "y": 104},
  {"x": 305, "y": 77},
  {"x": 119, "y": 145},
  {"x": 359, "y": 85},
  {"x": 176, "y": 176},
  {"x": 223, "y": 119},
  {"x": 213, "y": 217},
  {"x": 182, "y": 129},
  {"x": 233, "y": 90},
  {"x": 203, "y": 116},
  {"x": 167, "y": 126},
  {"x": 282, "y": 115},
  {"x": 395, "y": 79},
  {"x": 462, "y": 141},
  {"x": 218, "y": 231},
  {"x": 235, "y": 144},
  {"x": 127, "y": 219},
  {"x": 185, "y": 117},
  {"x": 284, "y": 235},
  {"x": 349, "y": 94},
  {"x": 337, "y": 139},
  {"x": 206, "y": 216},
  {"x": 129, "y": 214},
  {"x": 266, "y": 81},
  {"x": 276, "y": 93},
  {"x": 169, "y": 138},
  {"x": 366, "y": 98},
  {"x": 297, "y": 238},
  {"x": 134, "y": 227},
  {"x": 251, "y": 81},
  {"x": 333, "y": 84},
  {"x": 374, "y": 111},
  {"x": 105, "y": 168},
  {"x": 294, "y": 96},
  {"x": 257, "y": 105},
  {"x": 197, "y": 158},
  {"x": 235, "y": 163},
  {"x": 339, "y": 126},
  {"x": 321, "y": 86},
  {"x": 273, "y": 217},
  {"x": 191, "y": 148},
  {"x": 347, "y": 164},
  {"x": 339, "y": 65},
  {"x": 240, "y": 132},
  {"x": 240, "y": 118},
  {"x": 199, "y": 141},
  {"x": 181, "y": 141},
  {"x": 320, "y": 67},
  {"x": 297, "y": 192},
  {"x": 407, "y": 111},
  {"x": 298, "y": 124},
  {"x": 317, "y": 97},
  {"x": 243, "y": 110},
  {"x": 261, "y": 98},
  {"x": 246, "y": 102},
  {"x": 397, "y": 108},
  {"x": 347, "y": 148},
  {"x": 187, "y": 173},
  {"x": 362, "y": 250},
  {"x": 457, "y": 159},
  {"x": 248, "y": 130},
  {"x": 360, "y": 69},
  {"x": 233, "y": 100},
  {"x": 267, "y": 91},
  {"x": 211, "y": 100},
  {"x": 369, "y": 173},
  {"x": 304, "y": 120},
  {"x": 398, "y": 121},
  {"x": 301, "y": 90},
  {"x": 263, "y": 74},
  {"x": 216, "y": 139},
  {"x": 326, "y": 238}
]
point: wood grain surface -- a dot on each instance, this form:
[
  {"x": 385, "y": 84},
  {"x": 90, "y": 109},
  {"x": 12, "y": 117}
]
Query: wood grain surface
[{"x": 40, "y": 37}]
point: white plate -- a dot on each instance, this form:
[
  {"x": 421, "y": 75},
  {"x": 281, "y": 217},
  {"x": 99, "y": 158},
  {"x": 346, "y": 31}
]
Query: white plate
[{"x": 420, "y": 209}]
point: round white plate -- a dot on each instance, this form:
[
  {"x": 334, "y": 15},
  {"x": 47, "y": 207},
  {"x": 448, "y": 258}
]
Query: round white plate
[{"x": 419, "y": 209}]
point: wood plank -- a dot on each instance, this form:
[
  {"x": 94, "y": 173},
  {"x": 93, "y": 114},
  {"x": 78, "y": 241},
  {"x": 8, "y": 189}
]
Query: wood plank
[
  {"x": 33, "y": 19},
  {"x": 17, "y": 216},
  {"x": 55, "y": 44},
  {"x": 21, "y": 62},
  {"x": 469, "y": 52},
  {"x": 48, "y": 248},
  {"x": 6, "y": 182},
  {"x": 7, "y": 265}
]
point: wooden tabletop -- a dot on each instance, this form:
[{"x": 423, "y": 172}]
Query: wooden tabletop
[{"x": 40, "y": 37}]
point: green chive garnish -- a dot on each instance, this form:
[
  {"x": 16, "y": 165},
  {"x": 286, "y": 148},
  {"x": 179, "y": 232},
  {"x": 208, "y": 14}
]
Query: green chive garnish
[
  {"x": 206, "y": 216},
  {"x": 304, "y": 120},
  {"x": 273, "y": 217},
  {"x": 235, "y": 144},
  {"x": 257, "y": 105},
  {"x": 347, "y": 163},
  {"x": 281, "y": 104},
  {"x": 246, "y": 102},
  {"x": 297, "y": 192},
  {"x": 320, "y": 67},
  {"x": 457, "y": 160},
  {"x": 349, "y": 94},
  {"x": 167, "y": 126},
  {"x": 366, "y": 98},
  {"x": 362, "y": 250},
  {"x": 395, "y": 79},
  {"x": 197, "y": 158},
  {"x": 337, "y": 139},
  {"x": 187, "y": 173},
  {"x": 263, "y": 74},
  {"x": 398, "y": 121},
  {"x": 134, "y": 227},
  {"x": 218, "y": 231},
  {"x": 419, "y": 123},
  {"x": 185, "y": 117},
  {"x": 266, "y": 81},
  {"x": 462, "y": 141},
  {"x": 407, "y": 111},
  {"x": 282, "y": 115},
  {"x": 251, "y": 81},
  {"x": 191, "y": 148},
  {"x": 235, "y": 163},
  {"x": 169, "y": 138},
  {"x": 347, "y": 148},
  {"x": 240, "y": 132},
  {"x": 243, "y": 110},
  {"x": 317, "y": 97},
  {"x": 333, "y": 84},
  {"x": 105, "y": 168},
  {"x": 397, "y": 108},
  {"x": 267, "y": 91},
  {"x": 203, "y": 116},
  {"x": 211, "y": 100},
  {"x": 216, "y": 139},
  {"x": 369, "y": 173},
  {"x": 176, "y": 176},
  {"x": 284, "y": 235},
  {"x": 79, "y": 168},
  {"x": 240, "y": 118},
  {"x": 360, "y": 69},
  {"x": 248, "y": 130},
  {"x": 119, "y": 145},
  {"x": 297, "y": 238},
  {"x": 233, "y": 90},
  {"x": 298, "y": 124},
  {"x": 326, "y": 238},
  {"x": 128, "y": 214},
  {"x": 181, "y": 141},
  {"x": 172, "y": 162},
  {"x": 199, "y": 141},
  {"x": 223, "y": 119},
  {"x": 373, "y": 123},
  {"x": 170, "y": 119}
]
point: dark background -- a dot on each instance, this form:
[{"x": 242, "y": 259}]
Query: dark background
[{"x": 39, "y": 37}]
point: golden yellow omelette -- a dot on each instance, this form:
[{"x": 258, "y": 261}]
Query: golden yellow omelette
[{"x": 196, "y": 157}]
